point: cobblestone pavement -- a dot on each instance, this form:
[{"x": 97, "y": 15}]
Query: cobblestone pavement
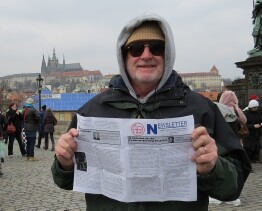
[{"x": 28, "y": 185}]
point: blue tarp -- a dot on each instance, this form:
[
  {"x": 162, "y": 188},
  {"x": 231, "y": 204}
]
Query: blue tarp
[{"x": 62, "y": 102}]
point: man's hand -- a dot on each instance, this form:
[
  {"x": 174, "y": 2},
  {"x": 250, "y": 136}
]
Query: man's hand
[
  {"x": 205, "y": 151},
  {"x": 65, "y": 148}
]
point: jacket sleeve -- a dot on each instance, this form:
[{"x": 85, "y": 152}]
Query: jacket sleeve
[
  {"x": 63, "y": 179},
  {"x": 242, "y": 116},
  {"x": 227, "y": 179}
]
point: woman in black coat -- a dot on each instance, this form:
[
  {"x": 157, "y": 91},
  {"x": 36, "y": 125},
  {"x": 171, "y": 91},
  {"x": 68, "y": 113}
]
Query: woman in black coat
[
  {"x": 49, "y": 127},
  {"x": 252, "y": 142},
  {"x": 15, "y": 117}
]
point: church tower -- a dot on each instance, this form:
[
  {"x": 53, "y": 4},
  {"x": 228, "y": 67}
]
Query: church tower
[
  {"x": 63, "y": 62},
  {"x": 53, "y": 65},
  {"x": 43, "y": 67},
  {"x": 54, "y": 62},
  {"x": 214, "y": 70}
]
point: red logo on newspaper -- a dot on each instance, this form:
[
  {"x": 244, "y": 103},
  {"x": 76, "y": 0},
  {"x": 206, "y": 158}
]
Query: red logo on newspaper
[{"x": 138, "y": 129}]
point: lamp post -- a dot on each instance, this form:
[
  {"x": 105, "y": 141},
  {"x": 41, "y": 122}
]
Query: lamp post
[{"x": 39, "y": 84}]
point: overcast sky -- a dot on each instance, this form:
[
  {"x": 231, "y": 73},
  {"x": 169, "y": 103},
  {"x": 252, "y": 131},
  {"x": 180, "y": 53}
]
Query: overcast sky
[{"x": 206, "y": 33}]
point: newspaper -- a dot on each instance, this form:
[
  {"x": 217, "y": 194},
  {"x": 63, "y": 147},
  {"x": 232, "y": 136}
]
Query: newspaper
[{"x": 132, "y": 160}]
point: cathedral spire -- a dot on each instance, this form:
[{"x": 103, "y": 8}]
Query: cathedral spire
[
  {"x": 43, "y": 67},
  {"x": 54, "y": 55},
  {"x": 63, "y": 62}
]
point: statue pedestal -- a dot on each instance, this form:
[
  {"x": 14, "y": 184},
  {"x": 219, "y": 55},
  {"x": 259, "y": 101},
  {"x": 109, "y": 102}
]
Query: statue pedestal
[{"x": 253, "y": 76}]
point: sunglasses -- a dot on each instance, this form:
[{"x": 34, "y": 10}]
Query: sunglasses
[{"x": 137, "y": 49}]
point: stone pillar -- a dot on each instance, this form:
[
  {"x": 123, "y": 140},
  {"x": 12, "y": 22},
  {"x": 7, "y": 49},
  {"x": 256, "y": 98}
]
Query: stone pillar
[{"x": 252, "y": 69}]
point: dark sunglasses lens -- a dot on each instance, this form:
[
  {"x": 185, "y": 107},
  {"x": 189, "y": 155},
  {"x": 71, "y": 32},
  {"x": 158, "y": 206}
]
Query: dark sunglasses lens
[
  {"x": 136, "y": 50},
  {"x": 157, "y": 49}
]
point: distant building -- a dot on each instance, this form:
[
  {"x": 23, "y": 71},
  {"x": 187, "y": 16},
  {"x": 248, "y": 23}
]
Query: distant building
[
  {"x": 203, "y": 80},
  {"x": 82, "y": 76},
  {"x": 53, "y": 65},
  {"x": 14, "y": 81},
  {"x": 64, "y": 73}
]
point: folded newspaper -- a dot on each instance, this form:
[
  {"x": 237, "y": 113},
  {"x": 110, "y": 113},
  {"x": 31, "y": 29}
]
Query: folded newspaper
[{"x": 132, "y": 160}]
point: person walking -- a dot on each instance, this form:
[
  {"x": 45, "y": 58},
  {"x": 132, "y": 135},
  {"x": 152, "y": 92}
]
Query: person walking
[
  {"x": 149, "y": 88},
  {"x": 5, "y": 136},
  {"x": 2, "y": 124},
  {"x": 41, "y": 132},
  {"x": 31, "y": 121},
  {"x": 228, "y": 114},
  {"x": 228, "y": 104},
  {"x": 14, "y": 117},
  {"x": 255, "y": 97},
  {"x": 49, "y": 128},
  {"x": 229, "y": 99},
  {"x": 1, "y": 172},
  {"x": 252, "y": 142}
]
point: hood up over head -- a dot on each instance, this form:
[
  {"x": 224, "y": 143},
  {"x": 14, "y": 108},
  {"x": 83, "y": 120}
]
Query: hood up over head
[
  {"x": 156, "y": 33},
  {"x": 229, "y": 98}
]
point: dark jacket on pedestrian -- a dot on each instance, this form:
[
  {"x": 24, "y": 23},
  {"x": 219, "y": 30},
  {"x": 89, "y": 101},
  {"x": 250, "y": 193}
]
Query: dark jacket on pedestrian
[
  {"x": 41, "y": 124},
  {"x": 49, "y": 121},
  {"x": 31, "y": 119},
  {"x": 15, "y": 119},
  {"x": 252, "y": 119}
]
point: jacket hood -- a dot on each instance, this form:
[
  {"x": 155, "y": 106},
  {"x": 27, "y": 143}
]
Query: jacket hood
[
  {"x": 169, "y": 48},
  {"x": 229, "y": 98}
]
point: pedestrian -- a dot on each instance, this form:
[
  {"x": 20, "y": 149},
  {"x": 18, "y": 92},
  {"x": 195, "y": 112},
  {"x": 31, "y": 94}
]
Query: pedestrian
[
  {"x": 5, "y": 136},
  {"x": 2, "y": 125},
  {"x": 31, "y": 121},
  {"x": 229, "y": 115},
  {"x": 252, "y": 142},
  {"x": 255, "y": 97},
  {"x": 49, "y": 128},
  {"x": 15, "y": 117},
  {"x": 228, "y": 104},
  {"x": 149, "y": 88},
  {"x": 2, "y": 153},
  {"x": 1, "y": 172},
  {"x": 41, "y": 132},
  {"x": 230, "y": 99}
]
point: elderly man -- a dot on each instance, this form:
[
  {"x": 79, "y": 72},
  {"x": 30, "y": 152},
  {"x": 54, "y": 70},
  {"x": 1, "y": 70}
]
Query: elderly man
[{"x": 149, "y": 88}]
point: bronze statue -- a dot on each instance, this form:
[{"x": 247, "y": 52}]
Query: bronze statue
[{"x": 257, "y": 29}]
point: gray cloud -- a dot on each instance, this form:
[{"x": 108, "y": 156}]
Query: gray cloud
[{"x": 206, "y": 32}]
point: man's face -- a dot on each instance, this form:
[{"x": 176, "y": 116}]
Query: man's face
[{"x": 148, "y": 67}]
